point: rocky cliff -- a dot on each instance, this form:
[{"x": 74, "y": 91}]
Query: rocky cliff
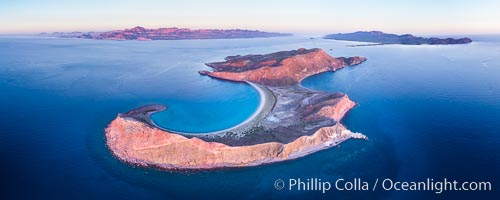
[
  {"x": 140, "y": 144},
  {"x": 280, "y": 68}
]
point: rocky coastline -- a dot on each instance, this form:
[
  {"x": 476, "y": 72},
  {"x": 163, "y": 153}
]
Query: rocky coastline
[
  {"x": 380, "y": 38},
  {"x": 143, "y": 34},
  {"x": 291, "y": 122}
]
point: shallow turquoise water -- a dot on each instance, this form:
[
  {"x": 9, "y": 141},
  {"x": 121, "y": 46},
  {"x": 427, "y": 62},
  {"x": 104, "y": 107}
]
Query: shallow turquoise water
[
  {"x": 212, "y": 112},
  {"x": 430, "y": 111}
]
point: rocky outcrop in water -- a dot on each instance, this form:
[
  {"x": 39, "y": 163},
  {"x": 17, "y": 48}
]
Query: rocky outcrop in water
[
  {"x": 295, "y": 121},
  {"x": 140, "y": 144},
  {"x": 280, "y": 68}
]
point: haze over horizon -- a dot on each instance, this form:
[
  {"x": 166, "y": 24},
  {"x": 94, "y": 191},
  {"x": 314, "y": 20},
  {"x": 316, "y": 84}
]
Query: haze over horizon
[{"x": 314, "y": 16}]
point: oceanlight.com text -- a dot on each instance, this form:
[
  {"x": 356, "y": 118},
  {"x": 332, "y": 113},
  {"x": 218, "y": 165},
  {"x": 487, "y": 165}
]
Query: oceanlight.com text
[{"x": 437, "y": 186}]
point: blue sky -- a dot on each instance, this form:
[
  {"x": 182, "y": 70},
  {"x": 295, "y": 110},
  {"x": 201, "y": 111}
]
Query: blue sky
[{"x": 314, "y": 16}]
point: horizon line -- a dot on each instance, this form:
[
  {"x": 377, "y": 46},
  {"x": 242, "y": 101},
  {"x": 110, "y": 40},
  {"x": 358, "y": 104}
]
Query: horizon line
[{"x": 299, "y": 32}]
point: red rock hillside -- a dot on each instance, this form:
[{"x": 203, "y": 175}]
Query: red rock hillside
[
  {"x": 137, "y": 143},
  {"x": 281, "y": 68}
]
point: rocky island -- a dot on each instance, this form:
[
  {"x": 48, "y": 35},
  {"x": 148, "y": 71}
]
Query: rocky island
[
  {"x": 291, "y": 121},
  {"x": 141, "y": 33},
  {"x": 386, "y": 38}
]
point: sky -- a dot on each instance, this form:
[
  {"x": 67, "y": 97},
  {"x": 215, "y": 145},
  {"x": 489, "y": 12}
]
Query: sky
[{"x": 296, "y": 16}]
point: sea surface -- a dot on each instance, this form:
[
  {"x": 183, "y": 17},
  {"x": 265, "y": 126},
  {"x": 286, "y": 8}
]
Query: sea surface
[{"x": 429, "y": 112}]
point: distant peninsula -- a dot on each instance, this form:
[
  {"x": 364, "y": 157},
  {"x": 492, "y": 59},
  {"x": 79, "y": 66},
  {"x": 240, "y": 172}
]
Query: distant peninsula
[
  {"x": 141, "y": 33},
  {"x": 387, "y": 38}
]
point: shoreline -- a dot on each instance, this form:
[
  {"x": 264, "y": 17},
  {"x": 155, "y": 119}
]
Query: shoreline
[
  {"x": 266, "y": 103},
  {"x": 265, "y": 124},
  {"x": 224, "y": 156}
]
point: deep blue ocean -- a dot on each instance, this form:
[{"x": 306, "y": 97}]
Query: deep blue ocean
[{"x": 429, "y": 111}]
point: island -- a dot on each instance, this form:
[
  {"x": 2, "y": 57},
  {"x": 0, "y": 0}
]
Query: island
[
  {"x": 290, "y": 122},
  {"x": 387, "y": 38},
  {"x": 141, "y": 33}
]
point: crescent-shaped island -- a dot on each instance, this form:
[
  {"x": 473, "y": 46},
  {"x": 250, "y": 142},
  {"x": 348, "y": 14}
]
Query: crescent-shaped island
[{"x": 290, "y": 122}]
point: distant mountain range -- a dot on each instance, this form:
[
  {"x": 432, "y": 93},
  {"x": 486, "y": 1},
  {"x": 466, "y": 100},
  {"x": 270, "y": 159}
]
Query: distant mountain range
[
  {"x": 387, "y": 38},
  {"x": 141, "y": 33}
]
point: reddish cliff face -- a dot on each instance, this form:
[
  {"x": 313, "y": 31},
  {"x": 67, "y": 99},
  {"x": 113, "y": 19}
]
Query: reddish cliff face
[
  {"x": 333, "y": 108},
  {"x": 137, "y": 143},
  {"x": 281, "y": 68}
]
